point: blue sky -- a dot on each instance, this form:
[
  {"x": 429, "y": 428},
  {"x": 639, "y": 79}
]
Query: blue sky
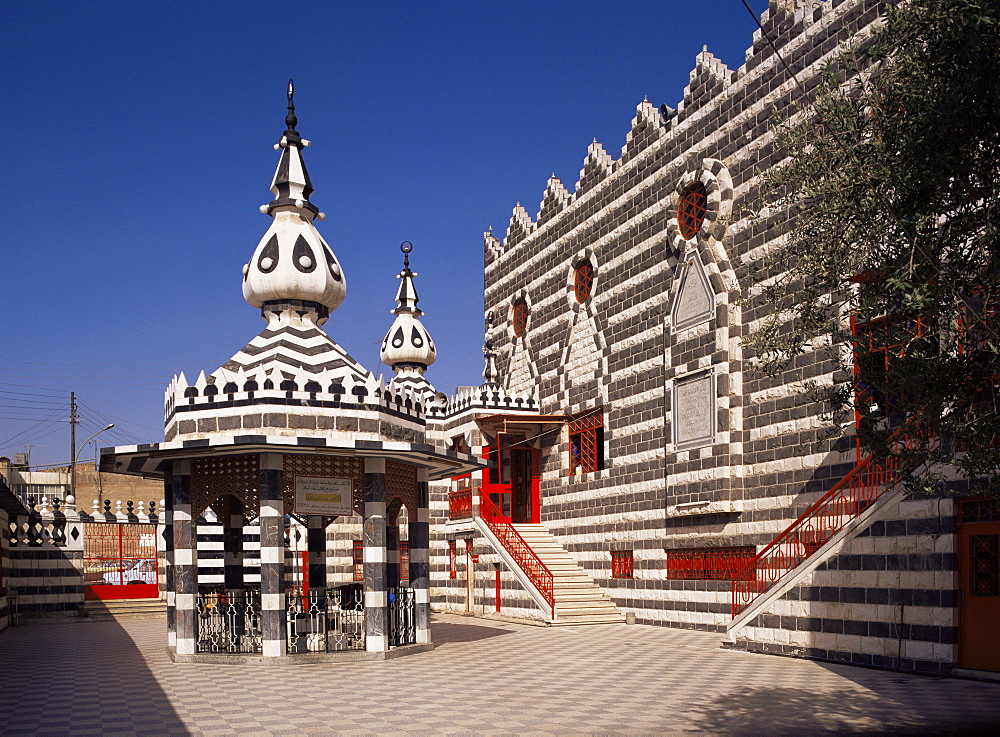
[{"x": 139, "y": 140}]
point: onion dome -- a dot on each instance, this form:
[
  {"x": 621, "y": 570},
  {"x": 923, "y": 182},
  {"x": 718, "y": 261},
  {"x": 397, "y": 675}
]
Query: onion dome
[
  {"x": 293, "y": 268},
  {"x": 407, "y": 347}
]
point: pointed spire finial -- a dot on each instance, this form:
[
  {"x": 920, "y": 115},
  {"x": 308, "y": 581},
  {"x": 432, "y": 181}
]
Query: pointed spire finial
[
  {"x": 406, "y": 247},
  {"x": 290, "y": 120}
]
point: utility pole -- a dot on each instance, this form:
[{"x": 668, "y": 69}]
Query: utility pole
[{"x": 73, "y": 422}]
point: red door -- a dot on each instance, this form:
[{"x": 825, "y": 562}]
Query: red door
[
  {"x": 979, "y": 584},
  {"x": 512, "y": 485},
  {"x": 120, "y": 561}
]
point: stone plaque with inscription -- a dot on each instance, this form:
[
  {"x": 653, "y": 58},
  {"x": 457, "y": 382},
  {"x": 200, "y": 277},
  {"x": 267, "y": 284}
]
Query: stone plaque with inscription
[
  {"x": 323, "y": 495},
  {"x": 694, "y": 411}
]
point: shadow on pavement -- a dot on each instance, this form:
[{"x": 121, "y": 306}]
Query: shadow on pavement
[
  {"x": 73, "y": 677},
  {"x": 776, "y": 710},
  {"x": 445, "y": 633}
]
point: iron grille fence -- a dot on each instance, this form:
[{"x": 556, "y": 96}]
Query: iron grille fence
[
  {"x": 325, "y": 621},
  {"x": 402, "y": 623},
  {"x": 228, "y": 622},
  {"x": 707, "y": 563}
]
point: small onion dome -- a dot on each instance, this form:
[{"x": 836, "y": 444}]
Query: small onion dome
[
  {"x": 292, "y": 262},
  {"x": 407, "y": 344}
]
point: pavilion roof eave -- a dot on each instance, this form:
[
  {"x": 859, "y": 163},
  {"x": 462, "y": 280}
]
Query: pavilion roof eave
[{"x": 150, "y": 459}]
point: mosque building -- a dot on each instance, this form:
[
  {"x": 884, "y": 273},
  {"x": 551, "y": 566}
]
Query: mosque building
[{"x": 619, "y": 462}]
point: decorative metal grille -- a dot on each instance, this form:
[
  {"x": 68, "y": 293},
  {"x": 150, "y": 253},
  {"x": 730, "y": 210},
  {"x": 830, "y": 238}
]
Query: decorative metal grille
[
  {"x": 622, "y": 564},
  {"x": 586, "y": 437},
  {"x": 401, "y": 484},
  {"x": 119, "y": 554},
  {"x": 519, "y": 318},
  {"x": 583, "y": 280},
  {"x": 984, "y": 565},
  {"x": 326, "y": 621},
  {"x": 330, "y": 467},
  {"x": 460, "y": 497},
  {"x": 707, "y": 563},
  {"x": 402, "y": 623},
  {"x": 691, "y": 210},
  {"x": 228, "y": 622},
  {"x": 978, "y": 510},
  {"x": 214, "y": 479}
]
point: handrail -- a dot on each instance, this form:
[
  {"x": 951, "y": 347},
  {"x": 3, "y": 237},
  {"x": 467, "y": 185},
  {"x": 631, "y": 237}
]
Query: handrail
[
  {"x": 856, "y": 491},
  {"x": 526, "y": 558}
]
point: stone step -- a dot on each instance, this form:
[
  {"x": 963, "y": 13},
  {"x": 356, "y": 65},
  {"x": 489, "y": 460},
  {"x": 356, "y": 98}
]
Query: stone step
[
  {"x": 570, "y": 620},
  {"x": 124, "y": 608}
]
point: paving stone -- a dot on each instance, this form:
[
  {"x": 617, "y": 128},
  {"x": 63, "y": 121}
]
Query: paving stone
[{"x": 484, "y": 677}]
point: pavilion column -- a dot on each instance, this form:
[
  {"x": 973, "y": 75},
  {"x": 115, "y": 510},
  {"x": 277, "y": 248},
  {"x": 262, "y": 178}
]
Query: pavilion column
[
  {"x": 168, "y": 559},
  {"x": 391, "y": 554},
  {"x": 185, "y": 564},
  {"x": 316, "y": 542},
  {"x": 272, "y": 554},
  {"x": 419, "y": 534},
  {"x": 232, "y": 542},
  {"x": 376, "y": 635}
]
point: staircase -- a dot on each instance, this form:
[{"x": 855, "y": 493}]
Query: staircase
[
  {"x": 849, "y": 507},
  {"x": 577, "y": 599},
  {"x": 99, "y": 611}
]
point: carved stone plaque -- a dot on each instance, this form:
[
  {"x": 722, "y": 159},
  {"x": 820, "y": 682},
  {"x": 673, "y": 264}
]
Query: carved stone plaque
[
  {"x": 695, "y": 301},
  {"x": 694, "y": 411}
]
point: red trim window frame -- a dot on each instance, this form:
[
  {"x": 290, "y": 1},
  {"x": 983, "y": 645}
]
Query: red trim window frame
[
  {"x": 358, "y": 561},
  {"x": 622, "y": 564},
  {"x": 519, "y": 318},
  {"x": 707, "y": 564},
  {"x": 691, "y": 210},
  {"x": 452, "y": 559},
  {"x": 583, "y": 280},
  {"x": 586, "y": 442}
]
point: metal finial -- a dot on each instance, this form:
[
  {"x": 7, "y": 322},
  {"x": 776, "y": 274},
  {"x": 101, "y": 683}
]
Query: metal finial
[
  {"x": 406, "y": 247},
  {"x": 290, "y": 120}
]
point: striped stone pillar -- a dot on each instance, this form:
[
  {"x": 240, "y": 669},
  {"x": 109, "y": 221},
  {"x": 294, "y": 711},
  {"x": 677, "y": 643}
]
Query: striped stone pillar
[
  {"x": 167, "y": 580},
  {"x": 316, "y": 544},
  {"x": 376, "y": 620},
  {"x": 391, "y": 554},
  {"x": 232, "y": 543},
  {"x": 272, "y": 555},
  {"x": 419, "y": 532},
  {"x": 185, "y": 566}
]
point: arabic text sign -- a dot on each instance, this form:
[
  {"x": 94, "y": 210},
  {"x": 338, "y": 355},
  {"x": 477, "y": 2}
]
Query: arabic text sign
[{"x": 323, "y": 495}]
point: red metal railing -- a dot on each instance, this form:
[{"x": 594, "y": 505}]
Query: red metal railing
[
  {"x": 854, "y": 493},
  {"x": 460, "y": 504},
  {"x": 526, "y": 559}
]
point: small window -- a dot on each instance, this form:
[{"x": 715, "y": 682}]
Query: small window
[
  {"x": 452, "y": 560},
  {"x": 708, "y": 563},
  {"x": 359, "y": 561},
  {"x": 691, "y": 210},
  {"x": 622, "y": 564},
  {"x": 586, "y": 442},
  {"x": 459, "y": 445},
  {"x": 520, "y": 318},
  {"x": 583, "y": 280}
]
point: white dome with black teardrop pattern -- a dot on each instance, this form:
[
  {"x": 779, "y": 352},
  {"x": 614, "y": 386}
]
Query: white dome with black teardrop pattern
[
  {"x": 292, "y": 262},
  {"x": 407, "y": 345}
]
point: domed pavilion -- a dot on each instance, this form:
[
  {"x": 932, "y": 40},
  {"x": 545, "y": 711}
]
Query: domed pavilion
[{"x": 294, "y": 431}]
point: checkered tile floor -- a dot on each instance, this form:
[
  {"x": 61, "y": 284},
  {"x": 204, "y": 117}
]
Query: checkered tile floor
[{"x": 484, "y": 677}]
